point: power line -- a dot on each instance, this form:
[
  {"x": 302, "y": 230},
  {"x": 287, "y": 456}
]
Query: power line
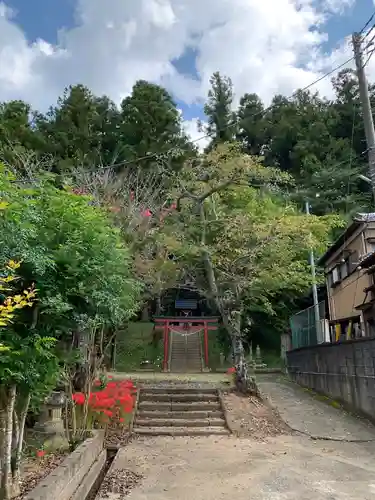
[
  {"x": 368, "y": 58},
  {"x": 371, "y": 41},
  {"x": 367, "y": 23},
  {"x": 206, "y": 136}
]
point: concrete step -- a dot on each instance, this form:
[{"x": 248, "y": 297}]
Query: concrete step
[
  {"x": 175, "y": 389},
  {"x": 186, "y": 358},
  {"x": 179, "y": 422},
  {"x": 182, "y": 349},
  {"x": 176, "y": 406},
  {"x": 198, "y": 397},
  {"x": 181, "y": 431},
  {"x": 180, "y": 367},
  {"x": 143, "y": 414},
  {"x": 188, "y": 369}
]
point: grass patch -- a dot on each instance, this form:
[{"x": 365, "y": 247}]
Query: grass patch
[
  {"x": 135, "y": 345},
  {"x": 272, "y": 359}
]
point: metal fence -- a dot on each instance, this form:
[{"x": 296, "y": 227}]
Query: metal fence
[{"x": 303, "y": 327}]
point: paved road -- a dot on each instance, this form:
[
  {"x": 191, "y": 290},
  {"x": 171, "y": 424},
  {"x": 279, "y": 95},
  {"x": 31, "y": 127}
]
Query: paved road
[
  {"x": 287, "y": 467},
  {"x": 283, "y": 468},
  {"x": 306, "y": 413}
]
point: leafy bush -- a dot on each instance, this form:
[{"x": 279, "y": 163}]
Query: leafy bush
[{"x": 70, "y": 250}]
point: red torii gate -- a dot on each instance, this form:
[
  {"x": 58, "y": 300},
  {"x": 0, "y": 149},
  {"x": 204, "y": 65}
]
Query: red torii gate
[{"x": 190, "y": 324}]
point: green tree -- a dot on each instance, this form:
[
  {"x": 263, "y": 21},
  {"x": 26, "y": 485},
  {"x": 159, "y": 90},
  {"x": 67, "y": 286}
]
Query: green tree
[
  {"x": 151, "y": 127},
  {"x": 301, "y": 139},
  {"x": 242, "y": 243},
  {"x": 82, "y": 130},
  {"x": 221, "y": 120},
  {"x": 28, "y": 368},
  {"x": 251, "y": 125},
  {"x": 70, "y": 250},
  {"x": 18, "y": 136}
]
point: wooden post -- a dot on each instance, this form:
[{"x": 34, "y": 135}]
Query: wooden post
[{"x": 206, "y": 343}]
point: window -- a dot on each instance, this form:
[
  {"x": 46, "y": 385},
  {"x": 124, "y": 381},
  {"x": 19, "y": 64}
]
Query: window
[
  {"x": 336, "y": 275},
  {"x": 353, "y": 261},
  {"x": 344, "y": 269},
  {"x": 329, "y": 279},
  {"x": 370, "y": 244}
]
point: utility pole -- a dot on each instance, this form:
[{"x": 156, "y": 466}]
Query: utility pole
[
  {"x": 314, "y": 287},
  {"x": 366, "y": 106}
]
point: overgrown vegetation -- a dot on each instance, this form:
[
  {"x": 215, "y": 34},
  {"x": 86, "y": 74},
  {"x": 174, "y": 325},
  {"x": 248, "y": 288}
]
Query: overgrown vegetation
[{"x": 105, "y": 208}]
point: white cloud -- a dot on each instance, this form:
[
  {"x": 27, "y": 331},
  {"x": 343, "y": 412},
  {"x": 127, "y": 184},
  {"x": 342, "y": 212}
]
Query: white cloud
[
  {"x": 259, "y": 44},
  {"x": 192, "y": 130},
  {"x": 338, "y": 6}
]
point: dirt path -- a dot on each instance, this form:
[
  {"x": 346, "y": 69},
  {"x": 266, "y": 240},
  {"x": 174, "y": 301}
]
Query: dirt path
[{"x": 282, "y": 465}]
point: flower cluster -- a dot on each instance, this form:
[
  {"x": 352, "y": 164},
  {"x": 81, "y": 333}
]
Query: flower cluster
[
  {"x": 231, "y": 371},
  {"x": 114, "y": 401}
]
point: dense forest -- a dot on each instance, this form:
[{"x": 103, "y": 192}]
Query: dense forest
[{"x": 318, "y": 142}]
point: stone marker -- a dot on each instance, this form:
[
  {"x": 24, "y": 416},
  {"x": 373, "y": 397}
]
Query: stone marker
[
  {"x": 258, "y": 359},
  {"x": 50, "y": 419}
]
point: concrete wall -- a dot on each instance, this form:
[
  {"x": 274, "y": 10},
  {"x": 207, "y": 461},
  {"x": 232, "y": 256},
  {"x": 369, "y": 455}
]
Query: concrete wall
[
  {"x": 343, "y": 371},
  {"x": 73, "y": 479}
]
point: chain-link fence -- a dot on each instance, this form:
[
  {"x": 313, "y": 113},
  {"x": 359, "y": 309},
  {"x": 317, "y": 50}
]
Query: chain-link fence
[{"x": 303, "y": 326}]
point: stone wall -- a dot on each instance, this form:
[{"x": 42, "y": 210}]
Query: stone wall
[{"x": 343, "y": 371}]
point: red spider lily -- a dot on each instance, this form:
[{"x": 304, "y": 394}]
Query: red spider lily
[
  {"x": 231, "y": 371},
  {"x": 79, "y": 398},
  {"x": 146, "y": 213},
  {"x": 40, "y": 453},
  {"x": 106, "y": 402},
  {"x": 126, "y": 384},
  {"x": 111, "y": 402}
]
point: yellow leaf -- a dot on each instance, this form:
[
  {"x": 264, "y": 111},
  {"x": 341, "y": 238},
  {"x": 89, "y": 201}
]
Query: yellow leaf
[
  {"x": 3, "y": 205},
  {"x": 12, "y": 264}
]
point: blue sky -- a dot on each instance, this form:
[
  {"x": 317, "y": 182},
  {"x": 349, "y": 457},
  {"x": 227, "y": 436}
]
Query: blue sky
[
  {"x": 43, "y": 19},
  {"x": 353, "y": 19}
]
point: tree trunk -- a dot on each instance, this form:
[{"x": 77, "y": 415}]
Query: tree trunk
[
  {"x": 6, "y": 452},
  {"x": 16, "y": 462},
  {"x": 158, "y": 305},
  {"x": 2, "y": 428},
  {"x": 145, "y": 314}
]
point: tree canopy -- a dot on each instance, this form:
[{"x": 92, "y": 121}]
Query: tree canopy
[{"x": 318, "y": 143}]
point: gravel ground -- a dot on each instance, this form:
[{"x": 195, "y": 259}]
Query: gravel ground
[
  {"x": 250, "y": 417},
  {"x": 35, "y": 470},
  {"x": 118, "y": 483}
]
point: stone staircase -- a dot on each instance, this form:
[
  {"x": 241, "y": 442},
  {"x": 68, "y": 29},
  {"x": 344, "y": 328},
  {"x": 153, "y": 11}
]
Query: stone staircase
[
  {"x": 179, "y": 411},
  {"x": 186, "y": 353}
]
